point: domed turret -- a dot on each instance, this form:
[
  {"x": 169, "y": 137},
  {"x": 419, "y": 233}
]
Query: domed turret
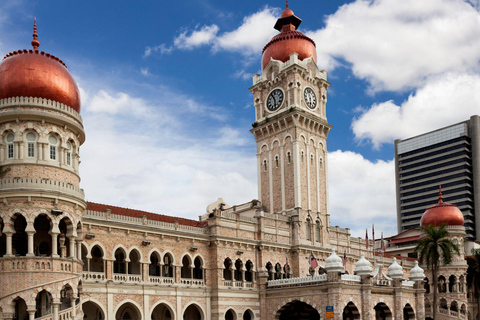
[
  {"x": 363, "y": 266},
  {"x": 395, "y": 271},
  {"x": 417, "y": 273},
  {"x": 288, "y": 41},
  {"x": 333, "y": 263},
  {"x": 442, "y": 213},
  {"x": 31, "y": 73}
]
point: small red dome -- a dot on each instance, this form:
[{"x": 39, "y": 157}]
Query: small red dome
[
  {"x": 288, "y": 41},
  {"x": 29, "y": 73},
  {"x": 442, "y": 213}
]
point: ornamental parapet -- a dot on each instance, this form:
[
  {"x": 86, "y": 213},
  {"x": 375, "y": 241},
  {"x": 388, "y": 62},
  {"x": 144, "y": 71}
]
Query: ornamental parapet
[
  {"x": 98, "y": 215},
  {"x": 41, "y": 185}
]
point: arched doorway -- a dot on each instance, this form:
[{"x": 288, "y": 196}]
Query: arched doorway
[
  {"x": 230, "y": 315},
  {"x": 382, "y": 312},
  {"x": 43, "y": 304},
  {"x": 20, "y": 309},
  {"x": 192, "y": 313},
  {"x": 408, "y": 313},
  {"x": 248, "y": 315},
  {"x": 297, "y": 310},
  {"x": 162, "y": 312},
  {"x": 128, "y": 311},
  {"x": 350, "y": 312},
  {"x": 91, "y": 311}
]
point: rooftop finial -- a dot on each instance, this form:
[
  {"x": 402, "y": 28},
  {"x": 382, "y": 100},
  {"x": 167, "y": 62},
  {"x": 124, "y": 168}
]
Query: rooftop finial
[
  {"x": 287, "y": 4},
  {"x": 440, "y": 197},
  {"x": 35, "y": 42}
]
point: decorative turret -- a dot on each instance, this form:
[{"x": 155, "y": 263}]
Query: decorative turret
[
  {"x": 363, "y": 266},
  {"x": 417, "y": 273},
  {"x": 395, "y": 271},
  {"x": 333, "y": 263}
]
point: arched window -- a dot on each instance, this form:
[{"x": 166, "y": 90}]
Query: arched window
[
  {"x": 227, "y": 273},
  {"x": 31, "y": 138},
  {"x": 302, "y": 155},
  {"x": 154, "y": 267},
  {"x": 269, "y": 268},
  {"x": 69, "y": 154},
  {"x": 276, "y": 161},
  {"x": 185, "y": 271},
  {"x": 309, "y": 230},
  {"x": 278, "y": 271},
  {"x": 289, "y": 157},
  {"x": 249, "y": 271},
  {"x": 312, "y": 163},
  {"x": 452, "y": 282},
  {"x": 265, "y": 165},
  {"x": 119, "y": 263},
  {"x": 96, "y": 263},
  {"x": 168, "y": 266},
  {"x": 238, "y": 270},
  {"x": 53, "y": 143},
  {"x": 198, "y": 268},
  {"x": 317, "y": 231},
  {"x": 10, "y": 146}
]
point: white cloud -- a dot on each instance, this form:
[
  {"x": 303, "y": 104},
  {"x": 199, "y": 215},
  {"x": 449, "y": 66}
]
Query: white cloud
[
  {"x": 443, "y": 101},
  {"x": 361, "y": 192},
  {"x": 198, "y": 37},
  {"x": 121, "y": 103},
  {"x": 145, "y": 71},
  {"x": 248, "y": 39},
  {"x": 399, "y": 44}
]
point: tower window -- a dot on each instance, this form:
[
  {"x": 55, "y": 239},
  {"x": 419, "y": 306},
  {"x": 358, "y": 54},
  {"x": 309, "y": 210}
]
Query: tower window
[
  {"x": 31, "y": 138},
  {"x": 276, "y": 161},
  {"x": 69, "y": 153},
  {"x": 303, "y": 155},
  {"x": 289, "y": 157},
  {"x": 309, "y": 230},
  {"x": 311, "y": 160},
  {"x": 265, "y": 165},
  {"x": 10, "y": 145},
  {"x": 317, "y": 231},
  {"x": 53, "y": 141},
  {"x": 321, "y": 163}
]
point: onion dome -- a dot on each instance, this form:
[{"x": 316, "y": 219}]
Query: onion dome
[
  {"x": 333, "y": 263},
  {"x": 31, "y": 73},
  {"x": 363, "y": 266},
  {"x": 395, "y": 271},
  {"x": 289, "y": 40},
  {"x": 417, "y": 274},
  {"x": 442, "y": 213}
]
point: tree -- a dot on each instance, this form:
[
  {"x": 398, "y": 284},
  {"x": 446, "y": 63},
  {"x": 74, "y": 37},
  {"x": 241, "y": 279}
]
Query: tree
[
  {"x": 473, "y": 273},
  {"x": 435, "y": 248}
]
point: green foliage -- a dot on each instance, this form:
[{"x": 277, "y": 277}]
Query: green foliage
[
  {"x": 3, "y": 171},
  {"x": 434, "y": 248},
  {"x": 473, "y": 272}
]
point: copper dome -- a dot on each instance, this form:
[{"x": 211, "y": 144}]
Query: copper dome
[
  {"x": 288, "y": 41},
  {"x": 30, "y": 73},
  {"x": 442, "y": 213}
]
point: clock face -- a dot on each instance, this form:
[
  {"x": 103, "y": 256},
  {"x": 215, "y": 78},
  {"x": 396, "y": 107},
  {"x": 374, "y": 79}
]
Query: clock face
[
  {"x": 310, "y": 98},
  {"x": 274, "y": 100}
]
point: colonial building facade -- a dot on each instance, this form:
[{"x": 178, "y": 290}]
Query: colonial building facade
[{"x": 63, "y": 258}]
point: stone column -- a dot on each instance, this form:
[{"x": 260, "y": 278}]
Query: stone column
[
  {"x": 145, "y": 272},
  {"x": 72, "y": 305},
  {"x": 9, "y": 248},
  {"x": 54, "y": 235},
  {"x": 56, "y": 306},
  {"x": 31, "y": 314},
  {"x": 79, "y": 248},
  {"x": 420, "y": 300},
  {"x": 30, "y": 235},
  {"x": 72, "y": 247},
  {"x": 367, "y": 298},
  {"x": 46, "y": 154}
]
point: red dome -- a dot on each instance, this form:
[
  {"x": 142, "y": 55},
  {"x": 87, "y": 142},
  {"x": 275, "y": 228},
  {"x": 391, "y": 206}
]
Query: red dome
[
  {"x": 442, "y": 213},
  {"x": 29, "y": 73},
  {"x": 288, "y": 41}
]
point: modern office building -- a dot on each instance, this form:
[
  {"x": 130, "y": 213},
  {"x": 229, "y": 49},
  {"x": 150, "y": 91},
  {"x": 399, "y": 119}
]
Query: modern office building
[{"x": 447, "y": 157}]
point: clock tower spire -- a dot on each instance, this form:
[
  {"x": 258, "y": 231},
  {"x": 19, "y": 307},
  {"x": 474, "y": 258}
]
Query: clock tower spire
[{"x": 291, "y": 131}]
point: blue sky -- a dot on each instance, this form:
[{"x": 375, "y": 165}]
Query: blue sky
[{"x": 167, "y": 110}]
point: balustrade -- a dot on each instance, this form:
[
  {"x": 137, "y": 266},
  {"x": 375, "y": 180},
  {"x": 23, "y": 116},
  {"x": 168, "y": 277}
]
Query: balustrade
[
  {"x": 94, "y": 276},
  {"x": 160, "y": 280},
  {"x": 192, "y": 282},
  {"x": 127, "y": 278}
]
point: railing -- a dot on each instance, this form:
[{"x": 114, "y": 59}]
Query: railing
[
  {"x": 62, "y": 315},
  {"x": 35, "y": 102},
  {"x": 238, "y": 284},
  {"x": 128, "y": 278},
  {"x": 384, "y": 282},
  {"x": 454, "y": 313},
  {"x": 93, "y": 276},
  {"x": 160, "y": 280},
  {"x": 408, "y": 283},
  {"x": 443, "y": 311},
  {"x": 193, "y": 282},
  {"x": 142, "y": 221},
  {"x": 41, "y": 184},
  {"x": 297, "y": 281},
  {"x": 351, "y": 277}
]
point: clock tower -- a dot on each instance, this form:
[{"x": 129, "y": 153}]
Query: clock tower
[{"x": 291, "y": 131}]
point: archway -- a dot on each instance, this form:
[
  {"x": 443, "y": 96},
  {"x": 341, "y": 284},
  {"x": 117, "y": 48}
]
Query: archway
[
  {"x": 297, "y": 310},
  {"x": 168, "y": 266},
  {"x": 154, "y": 266},
  {"x": 134, "y": 266},
  {"x": 19, "y": 238},
  {"x": 97, "y": 263},
  {"x": 91, "y": 311},
  {"x": 128, "y": 311},
  {"x": 65, "y": 238},
  {"x": 198, "y": 268},
  {"x": 119, "y": 263},
  {"x": 43, "y": 304},
  {"x": 230, "y": 315},
  {"x": 350, "y": 312},
  {"x": 248, "y": 315},
  {"x": 192, "y": 313},
  {"x": 227, "y": 270},
  {"x": 454, "y": 306},
  {"x": 162, "y": 312},
  {"x": 185, "y": 271},
  {"x": 66, "y": 294},
  {"x": 382, "y": 312},
  {"x": 408, "y": 313},
  {"x": 20, "y": 309},
  {"x": 452, "y": 283}
]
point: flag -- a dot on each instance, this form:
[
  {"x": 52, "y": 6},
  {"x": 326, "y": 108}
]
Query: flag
[
  {"x": 373, "y": 234},
  {"x": 345, "y": 258},
  {"x": 366, "y": 238},
  {"x": 312, "y": 261},
  {"x": 382, "y": 244}
]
